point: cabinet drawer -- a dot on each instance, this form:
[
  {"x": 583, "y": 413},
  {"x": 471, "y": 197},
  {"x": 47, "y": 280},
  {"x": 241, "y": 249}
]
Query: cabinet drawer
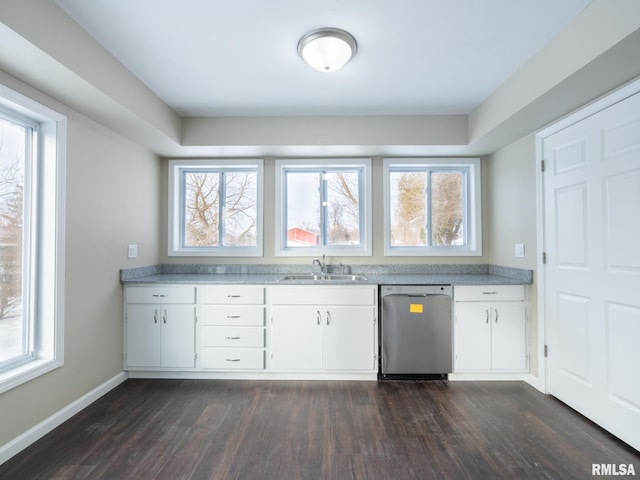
[
  {"x": 232, "y": 358},
  {"x": 232, "y": 294},
  {"x": 232, "y": 315},
  {"x": 232, "y": 336},
  {"x": 160, "y": 294},
  {"x": 323, "y": 295},
  {"x": 483, "y": 293}
]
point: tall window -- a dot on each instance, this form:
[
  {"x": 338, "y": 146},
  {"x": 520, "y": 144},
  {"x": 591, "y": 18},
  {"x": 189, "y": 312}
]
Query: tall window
[
  {"x": 31, "y": 239},
  {"x": 16, "y": 341},
  {"x": 215, "y": 208},
  {"x": 432, "y": 207},
  {"x": 323, "y": 207}
]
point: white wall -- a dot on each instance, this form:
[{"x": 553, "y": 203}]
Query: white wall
[
  {"x": 113, "y": 192},
  {"x": 511, "y": 219}
]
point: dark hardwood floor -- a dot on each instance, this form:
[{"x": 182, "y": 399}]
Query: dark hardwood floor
[{"x": 173, "y": 429}]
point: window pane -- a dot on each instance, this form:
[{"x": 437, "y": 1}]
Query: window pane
[
  {"x": 303, "y": 209},
  {"x": 201, "y": 209},
  {"x": 408, "y": 208},
  {"x": 343, "y": 208},
  {"x": 447, "y": 210},
  {"x": 241, "y": 209},
  {"x": 13, "y": 327}
]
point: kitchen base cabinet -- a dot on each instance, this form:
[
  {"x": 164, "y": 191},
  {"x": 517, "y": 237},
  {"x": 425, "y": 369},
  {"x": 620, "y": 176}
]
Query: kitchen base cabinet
[
  {"x": 490, "y": 329},
  {"x": 159, "y": 328},
  {"x": 324, "y": 329},
  {"x": 231, "y": 327}
]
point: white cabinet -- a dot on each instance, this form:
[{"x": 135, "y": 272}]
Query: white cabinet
[
  {"x": 490, "y": 329},
  {"x": 324, "y": 328},
  {"x": 159, "y": 327},
  {"x": 231, "y": 327}
]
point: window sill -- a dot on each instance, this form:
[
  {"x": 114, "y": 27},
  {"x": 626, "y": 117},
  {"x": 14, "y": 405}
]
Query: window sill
[{"x": 27, "y": 372}]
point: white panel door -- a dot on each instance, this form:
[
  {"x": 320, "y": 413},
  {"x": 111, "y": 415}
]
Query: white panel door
[{"x": 592, "y": 291}]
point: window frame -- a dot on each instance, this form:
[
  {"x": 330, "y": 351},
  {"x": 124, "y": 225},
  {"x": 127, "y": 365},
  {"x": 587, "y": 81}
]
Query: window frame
[
  {"x": 176, "y": 199},
  {"x": 43, "y": 239},
  {"x": 318, "y": 165},
  {"x": 472, "y": 204}
]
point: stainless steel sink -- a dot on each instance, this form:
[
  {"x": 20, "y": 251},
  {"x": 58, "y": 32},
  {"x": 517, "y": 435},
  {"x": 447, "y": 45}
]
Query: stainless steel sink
[{"x": 327, "y": 277}]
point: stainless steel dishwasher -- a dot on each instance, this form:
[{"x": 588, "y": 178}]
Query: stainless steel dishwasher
[{"x": 416, "y": 331}]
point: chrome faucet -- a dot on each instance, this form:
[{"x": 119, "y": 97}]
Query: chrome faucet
[{"x": 322, "y": 265}]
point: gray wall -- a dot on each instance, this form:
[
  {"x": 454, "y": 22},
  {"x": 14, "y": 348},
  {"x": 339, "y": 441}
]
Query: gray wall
[
  {"x": 112, "y": 198},
  {"x": 511, "y": 219}
]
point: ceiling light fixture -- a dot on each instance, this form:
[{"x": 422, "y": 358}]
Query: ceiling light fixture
[{"x": 327, "y": 49}]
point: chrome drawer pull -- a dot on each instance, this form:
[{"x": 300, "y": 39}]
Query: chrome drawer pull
[
  {"x": 233, "y": 296},
  {"x": 231, "y": 359},
  {"x": 233, "y": 316},
  {"x": 159, "y": 295},
  {"x": 233, "y": 338},
  {"x": 489, "y": 293}
]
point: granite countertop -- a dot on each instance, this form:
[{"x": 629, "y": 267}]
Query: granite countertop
[{"x": 375, "y": 275}]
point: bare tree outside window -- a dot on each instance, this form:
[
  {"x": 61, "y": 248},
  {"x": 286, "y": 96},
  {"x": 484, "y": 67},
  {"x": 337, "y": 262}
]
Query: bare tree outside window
[
  {"x": 323, "y": 203},
  {"x": 343, "y": 208},
  {"x": 408, "y": 212},
  {"x": 12, "y": 158},
  {"x": 417, "y": 212},
  {"x": 223, "y": 201},
  {"x": 447, "y": 211}
]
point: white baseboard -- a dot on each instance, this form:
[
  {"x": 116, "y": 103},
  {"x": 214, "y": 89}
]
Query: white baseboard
[
  {"x": 234, "y": 375},
  {"x": 21, "y": 442},
  {"x": 536, "y": 382},
  {"x": 487, "y": 377}
]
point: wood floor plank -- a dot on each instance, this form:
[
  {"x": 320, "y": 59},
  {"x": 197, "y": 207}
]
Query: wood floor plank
[{"x": 203, "y": 430}]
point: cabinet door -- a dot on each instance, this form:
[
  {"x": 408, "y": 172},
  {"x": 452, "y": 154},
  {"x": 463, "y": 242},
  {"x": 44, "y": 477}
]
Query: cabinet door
[
  {"x": 473, "y": 336},
  {"x": 178, "y": 336},
  {"x": 296, "y": 338},
  {"x": 349, "y": 338},
  {"x": 143, "y": 335},
  {"x": 508, "y": 336}
]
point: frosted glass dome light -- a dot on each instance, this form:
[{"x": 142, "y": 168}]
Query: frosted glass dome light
[{"x": 327, "y": 49}]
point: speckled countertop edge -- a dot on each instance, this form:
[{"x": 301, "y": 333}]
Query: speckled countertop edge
[{"x": 445, "y": 274}]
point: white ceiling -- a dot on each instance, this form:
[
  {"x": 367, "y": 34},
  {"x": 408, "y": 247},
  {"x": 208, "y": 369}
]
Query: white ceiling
[{"x": 239, "y": 57}]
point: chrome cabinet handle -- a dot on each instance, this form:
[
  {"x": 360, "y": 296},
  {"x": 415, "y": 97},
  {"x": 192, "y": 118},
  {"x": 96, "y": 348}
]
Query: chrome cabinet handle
[
  {"x": 487, "y": 317},
  {"x": 496, "y": 315},
  {"x": 160, "y": 295},
  {"x": 489, "y": 293},
  {"x": 164, "y": 316},
  {"x": 155, "y": 316},
  {"x": 319, "y": 317},
  {"x": 233, "y": 316},
  {"x": 233, "y": 338},
  {"x": 231, "y": 359},
  {"x": 328, "y": 317},
  {"x": 233, "y": 296}
]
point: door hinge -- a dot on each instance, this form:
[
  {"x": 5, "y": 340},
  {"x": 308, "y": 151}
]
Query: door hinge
[
  {"x": 542, "y": 166},
  {"x": 544, "y": 258},
  {"x": 546, "y": 351}
]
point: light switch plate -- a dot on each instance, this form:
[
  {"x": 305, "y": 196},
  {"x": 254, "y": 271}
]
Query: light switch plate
[
  {"x": 519, "y": 250},
  {"x": 132, "y": 251}
]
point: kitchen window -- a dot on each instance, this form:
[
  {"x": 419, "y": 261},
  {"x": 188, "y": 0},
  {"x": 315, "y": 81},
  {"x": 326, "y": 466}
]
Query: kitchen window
[
  {"x": 31, "y": 239},
  {"x": 215, "y": 207},
  {"x": 323, "y": 207},
  {"x": 432, "y": 207}
]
